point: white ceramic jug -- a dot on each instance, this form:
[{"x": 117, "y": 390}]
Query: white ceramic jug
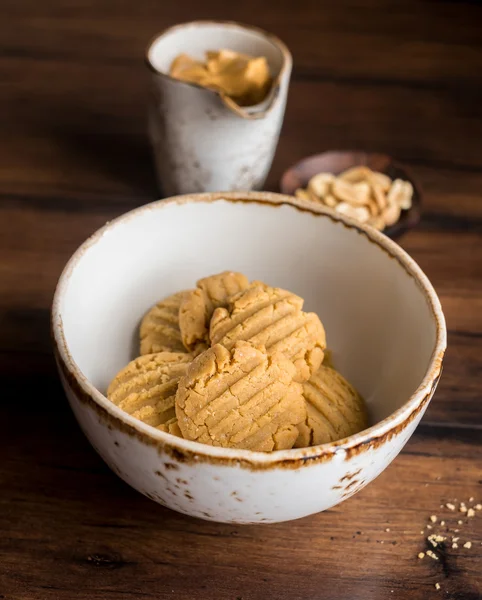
[{"x": 203, "y": 142}]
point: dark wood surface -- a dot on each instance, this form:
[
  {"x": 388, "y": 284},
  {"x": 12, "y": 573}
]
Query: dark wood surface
[{"x": 402, "y": 78}]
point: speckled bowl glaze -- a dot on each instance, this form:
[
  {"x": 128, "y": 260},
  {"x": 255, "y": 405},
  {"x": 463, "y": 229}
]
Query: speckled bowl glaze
[{"x": 383, "y": 321}]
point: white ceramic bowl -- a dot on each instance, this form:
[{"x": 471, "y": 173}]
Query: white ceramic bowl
[{"x": 382, "y": 317}]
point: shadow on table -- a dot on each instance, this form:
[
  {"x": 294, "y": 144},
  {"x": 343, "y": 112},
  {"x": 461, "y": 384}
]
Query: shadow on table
[{"x": 106, "y": 148}]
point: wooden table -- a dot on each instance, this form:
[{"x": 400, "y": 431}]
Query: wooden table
[{"x": 397, "y": 77}]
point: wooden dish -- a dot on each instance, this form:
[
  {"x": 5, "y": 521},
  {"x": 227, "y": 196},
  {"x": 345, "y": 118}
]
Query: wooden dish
[{"x": 299, "y": 174}]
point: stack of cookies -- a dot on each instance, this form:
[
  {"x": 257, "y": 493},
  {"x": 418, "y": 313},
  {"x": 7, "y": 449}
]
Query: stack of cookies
[{"x": 239, "y": 365}]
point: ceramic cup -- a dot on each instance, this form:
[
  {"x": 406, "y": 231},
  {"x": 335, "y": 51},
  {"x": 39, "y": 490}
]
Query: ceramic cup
[
  {"x": 383, "y": 323},
  {"x": 202, "y": 141}
]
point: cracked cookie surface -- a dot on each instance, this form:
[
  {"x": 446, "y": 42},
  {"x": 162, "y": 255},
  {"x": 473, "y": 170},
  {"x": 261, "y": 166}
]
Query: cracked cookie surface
[
  {"x": 198, "y": 305},
  {"x": 240, "y": 398},
  {"x": 159, "y": 331},
  {"x": 147, "y": 386},
  {"x": 334, "y": 409},
  {"x": 171, "y": 426},
  {"x": 272, "y": 317}
]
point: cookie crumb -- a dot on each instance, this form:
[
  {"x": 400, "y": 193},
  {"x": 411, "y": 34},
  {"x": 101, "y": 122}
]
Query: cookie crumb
[
  {"x": 450, "y": 506},
  {"x": 471, "y": 512},
  {"x": 429, "y": 527},
  {"x": 478, "y": 507},
  {"x": 460, "y": 522},
  {"x": 422, "y": 532},
  {"x": 463, "y": 508},
  {"x": 387, "y": 529},
  {"x": 433, "y": 518},
  {"x": 468, "y": 545},
  {"x": 421, "y": 554},
  {"x": 442, "y": 523},
  {"x": 437, "y": 586},
  {"x": 436, "y": 539},
  {"x": 471, "y": 499},
  {"x": 455, "y": 539},
  {"x": 454, "y": 545},
  {"x": 432, "y": 554}
]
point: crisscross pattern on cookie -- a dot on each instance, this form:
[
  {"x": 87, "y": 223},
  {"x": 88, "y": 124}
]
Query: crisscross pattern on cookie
[
  {"x": 159, "y": 330},
  {"x": 147, "y": 386},
  {"x": 240, "y": 398}
]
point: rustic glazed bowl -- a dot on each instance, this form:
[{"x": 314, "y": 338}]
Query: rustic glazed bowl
[
  {"x": 382, "y": 317},
  {"x": 202, "y": 140},
  {"x": 300, "y": 174}
]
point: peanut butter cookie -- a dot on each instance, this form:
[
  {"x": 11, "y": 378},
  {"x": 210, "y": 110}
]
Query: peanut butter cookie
[
  {"x": 147, "y": 386},
  {"x": 240, "y": 398},
  {"x": 198, "y": 305},
  {"x": 171, "y": 427},
  {"x": 159, "y": 331},
  {"x": 272, "y": 317},
  {"x": 334, "y": 409}
]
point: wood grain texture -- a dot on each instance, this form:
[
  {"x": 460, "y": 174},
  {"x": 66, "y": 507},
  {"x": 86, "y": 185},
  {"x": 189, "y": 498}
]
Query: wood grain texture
[{"x": 396, "y": 77}]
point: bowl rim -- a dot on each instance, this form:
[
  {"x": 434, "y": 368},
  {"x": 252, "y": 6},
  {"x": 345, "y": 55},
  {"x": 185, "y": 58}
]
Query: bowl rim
[{"x": 373, "y": 436}]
